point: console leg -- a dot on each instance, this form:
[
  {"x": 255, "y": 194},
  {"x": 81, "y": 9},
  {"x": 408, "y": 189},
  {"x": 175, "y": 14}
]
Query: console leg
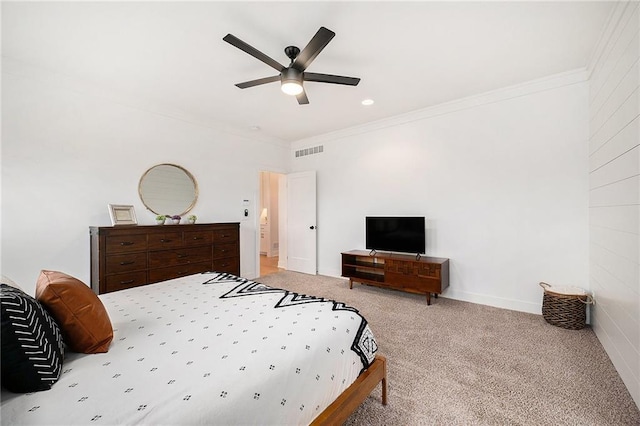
[
  {"x": 350, "y": 284},
  {"x": 428, "y": 298}
]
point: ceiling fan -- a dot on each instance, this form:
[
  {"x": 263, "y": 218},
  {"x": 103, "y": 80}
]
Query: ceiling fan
[{"x": 292, "y": 77}]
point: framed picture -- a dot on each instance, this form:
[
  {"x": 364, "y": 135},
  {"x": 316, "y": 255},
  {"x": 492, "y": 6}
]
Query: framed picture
[{"x": 122, "y": 215}]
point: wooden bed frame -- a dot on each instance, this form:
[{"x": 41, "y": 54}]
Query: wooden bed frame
[{"x": 340, "y": 410}]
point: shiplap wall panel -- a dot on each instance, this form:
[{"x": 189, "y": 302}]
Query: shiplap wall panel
[
  {"x": 623, "y": 244},
  {"x": 616, "y": 170},
  {"x": 620, "y": 30},
  {"x": 623, "y": 141},
  {"x": 623, "y": 116},
  {"x": 619, "y": 295},
  {"x": 626, "y": 83},
  {"x": 622, "y": 269},
  {"x": 625, "y": 323},
  {"x": 621, "y": 218},
  {"x": 623, "y": 357},
  {"x": 614, "y": 192},
  {"x": 619, "y": 350}
]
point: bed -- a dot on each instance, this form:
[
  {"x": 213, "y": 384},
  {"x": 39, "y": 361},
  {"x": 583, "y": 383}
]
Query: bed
[{"x": 214, "y": 348}]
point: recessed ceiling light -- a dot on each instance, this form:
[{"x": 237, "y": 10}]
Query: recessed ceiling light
[{"x": 367, "y": 102}]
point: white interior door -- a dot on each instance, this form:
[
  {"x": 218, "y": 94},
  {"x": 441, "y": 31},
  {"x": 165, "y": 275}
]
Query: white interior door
[{"x": 301, "y": 223}]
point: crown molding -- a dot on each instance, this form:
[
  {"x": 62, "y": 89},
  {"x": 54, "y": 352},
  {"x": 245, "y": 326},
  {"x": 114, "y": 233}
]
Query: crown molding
[{"x": 551, "y": 82}]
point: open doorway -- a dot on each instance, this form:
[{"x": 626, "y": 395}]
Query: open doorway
[{"x": 269, "y": 222}]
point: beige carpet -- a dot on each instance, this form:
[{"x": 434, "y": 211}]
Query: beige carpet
[{"x": 458, "y": 363}]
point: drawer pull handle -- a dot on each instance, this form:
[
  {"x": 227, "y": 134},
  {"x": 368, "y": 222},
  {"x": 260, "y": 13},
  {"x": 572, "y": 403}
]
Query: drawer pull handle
[
  {"x": 223, "y": 251},
  {"x": 180, "y": 256},
  {"x": 182, "y": 272},
  {"x": 126, "y": 243},
  {"x": 165, "y": 241},
  {"x": 197, "y": 238},
  {"x": 225, "y": 235},
  {"x": 126, "y": 282},
  {"x": 131, "y": 262},
  {"x": 224, "y": 265}
]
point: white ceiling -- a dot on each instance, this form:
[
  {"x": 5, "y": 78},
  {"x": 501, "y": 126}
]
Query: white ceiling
[{"x": 409, "y": 55}]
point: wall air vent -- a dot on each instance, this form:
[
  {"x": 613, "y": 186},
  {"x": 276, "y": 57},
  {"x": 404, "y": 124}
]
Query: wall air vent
[{"x": 309, "y": 151}]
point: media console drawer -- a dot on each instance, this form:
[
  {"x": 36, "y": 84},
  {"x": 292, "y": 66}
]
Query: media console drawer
[
  {"x": 410, "y": 282},
  {"x": 130, "y": 256},
  {"x": 423, "y": 275}
]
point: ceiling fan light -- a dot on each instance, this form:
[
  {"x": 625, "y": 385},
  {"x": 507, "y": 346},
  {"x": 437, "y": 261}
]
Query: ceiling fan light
[
  {"x": 292, "y": 88},
  {"x": 291, "y": 81}
]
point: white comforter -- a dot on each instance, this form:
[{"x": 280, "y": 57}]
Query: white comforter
[{"x": 207, "y": 349}]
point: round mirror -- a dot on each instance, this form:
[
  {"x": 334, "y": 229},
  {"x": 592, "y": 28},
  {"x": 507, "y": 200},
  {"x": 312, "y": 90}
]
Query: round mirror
[{"x": 168, "y": 189}]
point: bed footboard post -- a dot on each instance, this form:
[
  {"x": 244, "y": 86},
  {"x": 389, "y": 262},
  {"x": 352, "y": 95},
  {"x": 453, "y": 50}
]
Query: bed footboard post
[{"x": 384, "y": 381}]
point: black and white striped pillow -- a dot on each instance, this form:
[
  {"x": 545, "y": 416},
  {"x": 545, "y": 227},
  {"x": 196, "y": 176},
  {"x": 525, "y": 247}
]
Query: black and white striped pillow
[{"x": 32, "y": 346}]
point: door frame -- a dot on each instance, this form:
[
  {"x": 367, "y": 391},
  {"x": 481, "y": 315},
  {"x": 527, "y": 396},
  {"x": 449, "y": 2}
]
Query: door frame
[{"x": 282, "y": 231}]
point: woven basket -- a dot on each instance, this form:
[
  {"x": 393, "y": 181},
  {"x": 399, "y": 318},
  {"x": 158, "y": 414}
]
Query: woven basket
[{"x": 565, "y": 307}]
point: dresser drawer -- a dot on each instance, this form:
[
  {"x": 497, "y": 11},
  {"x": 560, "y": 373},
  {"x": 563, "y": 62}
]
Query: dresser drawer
[
  {"x": 126, "y": 280},
  {"x": 126, "y": 262},
  {"x": 172, "y": 272},
  {"x": 231, "y": 265},
  {"x": 165, "y": 240},
  {"x": 221, "y": 251},
  {"x": 192, "y": 238},
  {"x": 225, "y": 235},
  {"x": 125, "y": 243},
  {"x": 158, "y": 259}
]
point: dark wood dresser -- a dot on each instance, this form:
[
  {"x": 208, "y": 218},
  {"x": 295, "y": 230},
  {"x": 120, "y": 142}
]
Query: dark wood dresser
[{"x": 131, "y": 256}]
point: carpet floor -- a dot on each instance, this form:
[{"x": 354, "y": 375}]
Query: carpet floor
[{"x": 459, "y": 363}]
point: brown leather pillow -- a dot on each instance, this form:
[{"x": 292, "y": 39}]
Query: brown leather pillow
[{"x": 80, "y": 314}]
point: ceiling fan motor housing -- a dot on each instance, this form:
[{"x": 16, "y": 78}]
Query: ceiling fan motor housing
[
  {"x": 291, "y": 52},
  {"x": 291, "y": 75}
]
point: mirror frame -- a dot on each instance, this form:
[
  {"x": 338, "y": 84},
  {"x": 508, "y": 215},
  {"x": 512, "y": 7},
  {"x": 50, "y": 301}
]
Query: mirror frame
[{"x": 186, "y": 172}]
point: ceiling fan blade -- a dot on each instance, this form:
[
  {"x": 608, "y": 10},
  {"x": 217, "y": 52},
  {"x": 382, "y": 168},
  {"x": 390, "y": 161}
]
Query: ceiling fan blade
[
  {"x": 235, "y": 41},
  {"x": 328, "y": 78},
  {"x": 258, "y": 82},
  {"x": 315, "y": 46},
  {"x": 302, "y": 98}
]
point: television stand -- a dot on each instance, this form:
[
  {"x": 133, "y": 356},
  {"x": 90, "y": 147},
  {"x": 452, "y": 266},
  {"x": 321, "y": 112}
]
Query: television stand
[{"x": 413, "y": 274}]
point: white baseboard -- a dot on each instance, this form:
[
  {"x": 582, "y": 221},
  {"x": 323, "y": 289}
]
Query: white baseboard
[
  {"x": 497, "y": 302},
  {"x": 481, "y": 299}
]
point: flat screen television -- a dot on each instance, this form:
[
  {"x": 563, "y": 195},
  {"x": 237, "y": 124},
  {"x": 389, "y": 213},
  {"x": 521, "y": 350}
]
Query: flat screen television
[{"x": 397, "y": 234}]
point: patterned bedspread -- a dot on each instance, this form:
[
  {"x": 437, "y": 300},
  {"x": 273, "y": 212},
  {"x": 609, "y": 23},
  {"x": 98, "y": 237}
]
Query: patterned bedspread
[{"x": 209, "y": 349}]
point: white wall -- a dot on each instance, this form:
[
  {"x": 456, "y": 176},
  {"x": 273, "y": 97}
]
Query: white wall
[
  {"x": 69, "y": 149},
  {"x": 501, "y": 179},
  {"x": 614, "y": 196}
]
